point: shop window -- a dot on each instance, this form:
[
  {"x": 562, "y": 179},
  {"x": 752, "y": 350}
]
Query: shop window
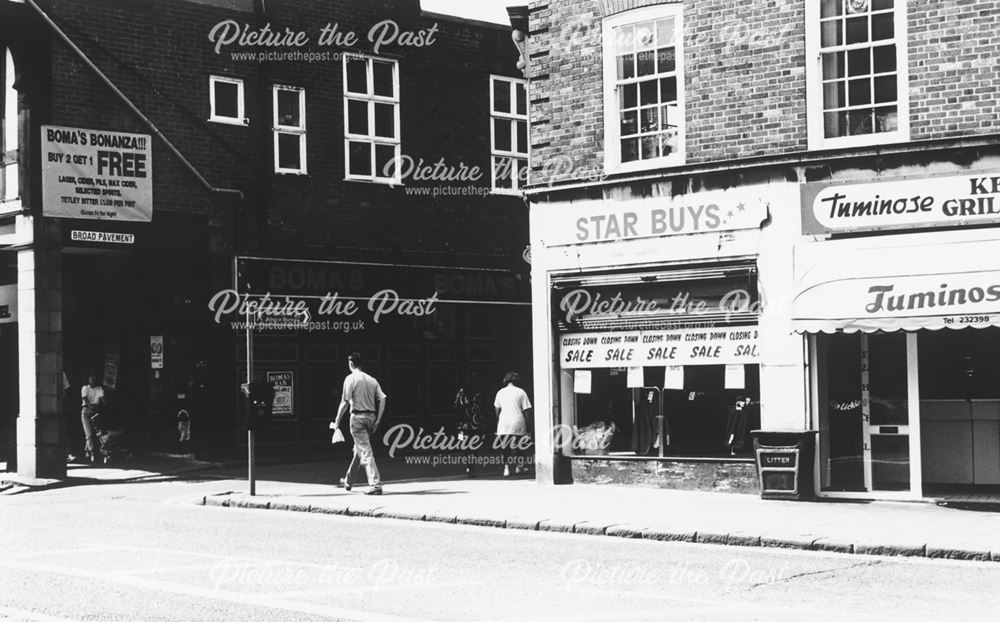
[
  {"x": 858, "y": 85},
  {"x": 226, "y": 100},
  {"x": 371, "y": 119},
  {"x": 404, "y": 383},
  {"x": 441, "y": 352},
  {"x": 644, "y": 89},
  {"x": 9, "y": 151},
  {"x": 289, "y": 130},
  {"x": 442, "y": 384},
  {"x": 400, "y": 352},
  {"x": 959, "y": 364},
  {"x": 482, "y": 322},
  {"x": 707, "y": 418},
  {"x": 509, "y": 133}
]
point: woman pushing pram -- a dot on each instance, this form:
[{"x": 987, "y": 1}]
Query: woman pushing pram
[
  {"x": 92, "y": 397},
  {"x": 101, "y": 443}
]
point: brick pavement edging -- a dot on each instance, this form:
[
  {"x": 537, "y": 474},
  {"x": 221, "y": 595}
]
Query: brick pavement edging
[{"x": 620, "y": 530}]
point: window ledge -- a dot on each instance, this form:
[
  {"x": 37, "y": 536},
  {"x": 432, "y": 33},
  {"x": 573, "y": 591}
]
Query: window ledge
[
  {"x": 378, "y": 182},
  {"x": 681, "y": 459},
  {"x": 862, "y": 141},
  {"x": 11, "y": 206},
  {"x": 292, "y": 173},
  {"x": 229, "y": 121},
  {"x": 613, "y": 168}
]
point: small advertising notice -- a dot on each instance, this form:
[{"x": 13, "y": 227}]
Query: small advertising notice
[
  {"x": 8, "y": 304},
  {"x": 283, "y": 396},
  {"x": 96, "y": 174},
  {"x": 111, "y": 360},
  {"x": 734, "y": 345},
  {"x": 156, "y": 351}
]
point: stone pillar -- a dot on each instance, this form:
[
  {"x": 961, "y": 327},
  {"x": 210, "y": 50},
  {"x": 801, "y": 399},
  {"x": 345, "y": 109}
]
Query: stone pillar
[{"x": 41, "y": 437}]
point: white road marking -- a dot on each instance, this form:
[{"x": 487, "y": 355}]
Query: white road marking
[
  {"x": 713, "y": 605},
  {"x": 374, "y": 589},
  {"x": 9, "y": 614},
  {"x": 247, "y": 599},
  {"x": 87, "y": 548},
  {"x": 219, "y": 556}
]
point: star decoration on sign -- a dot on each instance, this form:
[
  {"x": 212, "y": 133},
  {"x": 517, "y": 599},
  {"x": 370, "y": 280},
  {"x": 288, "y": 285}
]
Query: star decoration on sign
[{"x": 741, "y": 207}]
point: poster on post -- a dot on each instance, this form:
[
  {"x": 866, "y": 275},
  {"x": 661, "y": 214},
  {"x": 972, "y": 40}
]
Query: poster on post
[
  {"x": 283, "y": 396},
  {"x": 96, "y": 174}
]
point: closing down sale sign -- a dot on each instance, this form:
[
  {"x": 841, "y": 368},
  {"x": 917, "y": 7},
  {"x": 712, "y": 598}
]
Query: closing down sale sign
[
  {"x": 652, "y": 348},
  {"x": 96, "y": 175}
]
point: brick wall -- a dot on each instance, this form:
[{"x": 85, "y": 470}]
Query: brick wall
[
  {"x": 158, "y": 53},
  {"x": 954, "y": 50},
  {"x": 745, "y": 79}
]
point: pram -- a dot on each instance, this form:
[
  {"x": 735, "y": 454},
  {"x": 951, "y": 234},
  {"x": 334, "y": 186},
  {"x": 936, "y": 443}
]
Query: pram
[{"x": 109, "y": 444}]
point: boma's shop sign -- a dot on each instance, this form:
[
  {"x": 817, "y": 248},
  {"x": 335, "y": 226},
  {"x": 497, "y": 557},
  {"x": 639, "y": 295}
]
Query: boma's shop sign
[
  {"x": 901, "y": 204},
  {"x": 330, "y": 312},
  {"x": 277, "y": 294}
]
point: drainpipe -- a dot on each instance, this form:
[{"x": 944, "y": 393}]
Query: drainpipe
[{"x": 111, "y": 85}]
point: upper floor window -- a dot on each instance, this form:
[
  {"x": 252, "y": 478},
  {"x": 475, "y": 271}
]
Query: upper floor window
[
  {"x": 226, "y": 98},
  {"x": 643, "y": 89},
  {"x": 858, "y": 81},
  {"x": 289, "y": 105},
  {"x": 509, "y": 133},
  {"x": 371, "y": 119},
  {"x": 9, "y": 157}
]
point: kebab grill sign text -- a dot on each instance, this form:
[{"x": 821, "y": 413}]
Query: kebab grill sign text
[
  {"x": 963, "y": 200},
  {"x": 96, "y": 174}
]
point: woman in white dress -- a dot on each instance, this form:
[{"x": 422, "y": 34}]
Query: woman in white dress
[{"x": 512, "y": 406}]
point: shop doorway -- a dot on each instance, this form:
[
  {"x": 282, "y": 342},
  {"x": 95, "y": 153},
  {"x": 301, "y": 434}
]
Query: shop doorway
[{"x": 866, "y": 398}]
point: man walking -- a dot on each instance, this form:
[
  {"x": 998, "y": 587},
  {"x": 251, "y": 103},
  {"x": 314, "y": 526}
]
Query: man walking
[{"x": 364, "y": 398}]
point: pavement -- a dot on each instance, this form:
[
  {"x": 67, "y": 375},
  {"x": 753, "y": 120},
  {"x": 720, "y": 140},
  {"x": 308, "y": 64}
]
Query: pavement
[{"x": 423, "y": 493}]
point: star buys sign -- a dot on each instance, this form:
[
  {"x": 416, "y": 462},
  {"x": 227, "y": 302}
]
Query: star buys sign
[{"x": 648, "y": 221}]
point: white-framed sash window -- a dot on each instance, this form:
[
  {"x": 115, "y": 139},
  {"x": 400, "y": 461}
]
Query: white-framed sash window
[
  {"x": 644, "y": 89},
  {"x": 289, "y": 105},
  {"x": 372, "y": 145},
  {"x": 856, "y": 72},
  {"x": 508, "y": 134}
]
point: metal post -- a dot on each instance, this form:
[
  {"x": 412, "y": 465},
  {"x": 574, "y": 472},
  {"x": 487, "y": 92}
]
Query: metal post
[{"x": 251, "y": 458}]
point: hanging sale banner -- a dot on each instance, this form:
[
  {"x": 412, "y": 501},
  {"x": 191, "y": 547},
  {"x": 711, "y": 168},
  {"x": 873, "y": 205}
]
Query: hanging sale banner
[
  {"x": 654, "y": 348},
  {"x": 96, "y": 175}
]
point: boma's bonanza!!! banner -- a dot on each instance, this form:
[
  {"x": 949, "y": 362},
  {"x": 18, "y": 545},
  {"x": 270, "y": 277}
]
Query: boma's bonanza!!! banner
[{"x": 96, "y": 175}]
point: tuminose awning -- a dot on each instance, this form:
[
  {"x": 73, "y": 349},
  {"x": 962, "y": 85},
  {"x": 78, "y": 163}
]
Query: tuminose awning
[{"x": 848, "y": 287}]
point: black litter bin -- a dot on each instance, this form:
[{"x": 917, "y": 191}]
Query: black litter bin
[{"x": 785, "y": 463}]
